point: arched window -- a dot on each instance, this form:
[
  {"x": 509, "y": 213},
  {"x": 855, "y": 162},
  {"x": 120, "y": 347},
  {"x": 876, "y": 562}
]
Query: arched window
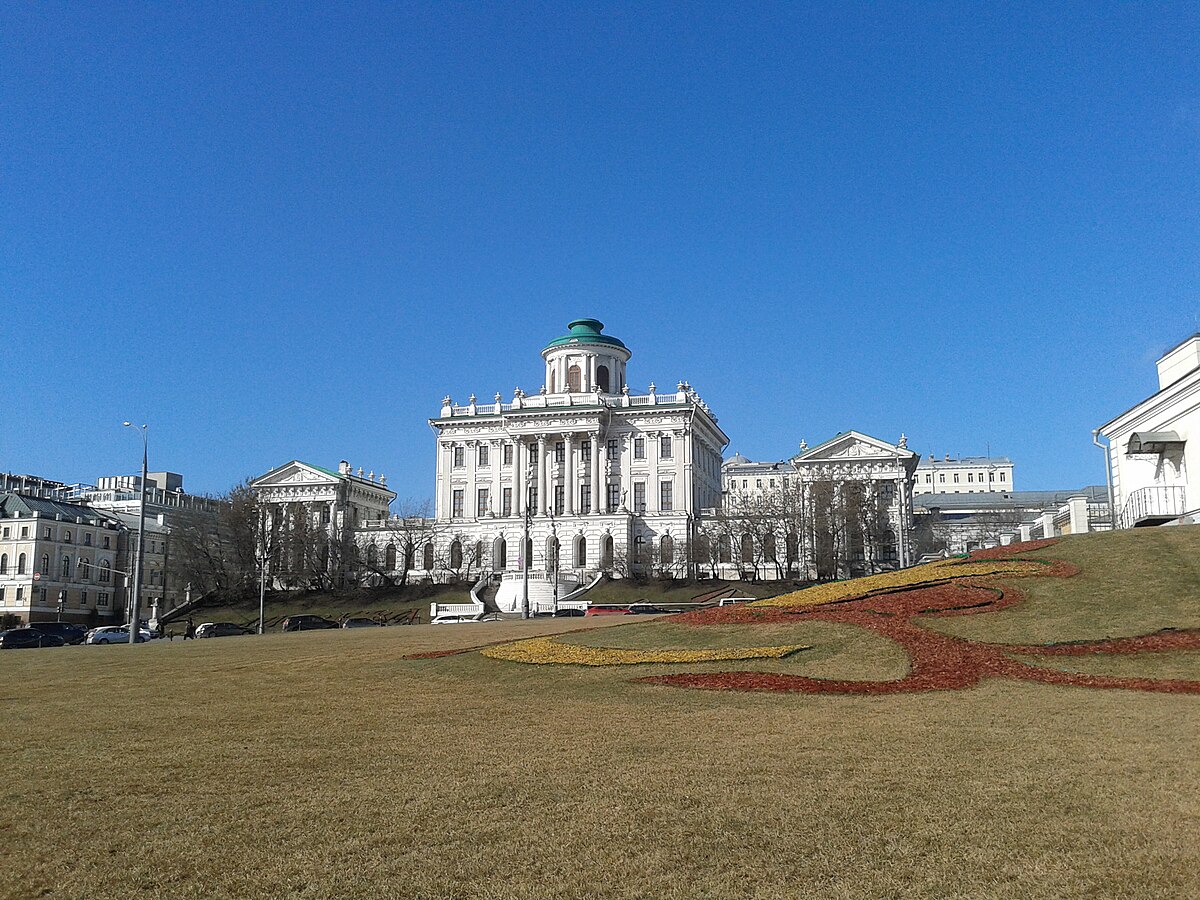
[
  {"x": 478, "y": 553},
  {"x": 580, "y": 552},
  {"x": 456, "y": 554},
  {"x": 389, "y": 558},
  {"x": 551, "y": 381},
  {"x": 3, "y": 563},
  {"x": 21, "y": 564},
  {"x": 573, "y": 382},
  {"x": 602, "y": 378},
  {"x": 747, "y": 548},
  {"x": 372, "y": 555},
  {"x": 769, "y": 548},
  {"x": 666, "y": 550},
  {"x": 427, "y": 557},
  {"x": 87, "y": 539},
  {"x": 724, "y": 550},
  {"x": 887, "y": 544},
  {"x": 85, "y": 568},
  {"x": 606, "y": 552},
  {"x": 105, "y": 570},
  {"x": 552, "y": 553},
  {"x": 500, "y": 554},
  {"x": 67, "y": 536},
  {"x": 66, "y": 567},
  {"x": 45, "y": 564}
]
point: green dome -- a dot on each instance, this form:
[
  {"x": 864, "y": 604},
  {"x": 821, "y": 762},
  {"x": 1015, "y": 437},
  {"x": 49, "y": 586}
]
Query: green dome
[{"x": 586, "y": 331}]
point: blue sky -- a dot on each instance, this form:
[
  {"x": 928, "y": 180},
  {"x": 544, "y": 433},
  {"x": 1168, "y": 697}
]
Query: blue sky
[{"x": 278, "y": 233}]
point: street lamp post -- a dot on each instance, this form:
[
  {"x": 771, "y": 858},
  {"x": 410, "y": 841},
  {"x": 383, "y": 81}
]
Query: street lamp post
[{"x": 135, "y": 612}]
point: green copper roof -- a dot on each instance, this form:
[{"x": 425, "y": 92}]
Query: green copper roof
[{"x": 586, "y": 331}]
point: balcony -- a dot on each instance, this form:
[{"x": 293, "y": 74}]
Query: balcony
[{"x": 1153, "y": 506}]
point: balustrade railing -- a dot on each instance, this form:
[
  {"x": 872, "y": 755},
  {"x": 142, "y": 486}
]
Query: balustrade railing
[{"x": 1159, "y": 502}]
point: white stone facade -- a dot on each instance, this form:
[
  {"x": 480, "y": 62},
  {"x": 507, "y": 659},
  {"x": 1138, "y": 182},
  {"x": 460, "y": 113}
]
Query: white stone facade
[
  {"x": 964, "y": 475},
  {"x": 1154, "y": 448},
  {"x": 616, "y": 479}
]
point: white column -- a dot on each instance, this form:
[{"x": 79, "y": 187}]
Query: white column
[
  {"x": 652, "y": 483},
  {"x": 520, "y": 461},
  {"x": 597, "y": 488},
  {"x": 541, "y": 474},
  {"x": 495, "y": 457},
  {"x": 683, "y": 466},
  {"x": 471, "y": 495},
  {"x": 572, "y": 504}
]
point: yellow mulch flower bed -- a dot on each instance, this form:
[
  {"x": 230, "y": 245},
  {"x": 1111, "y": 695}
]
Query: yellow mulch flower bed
[
  {"x": 931, "y": 573},
  {"x": 548, "y": 651}
]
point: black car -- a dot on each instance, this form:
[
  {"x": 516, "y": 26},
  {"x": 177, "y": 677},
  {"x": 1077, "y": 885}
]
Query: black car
[
  {"x": 21, "y": 638},
  {"x": 68, "y": 631},
  {"x": 221, "y": 629},
  {"x": 307, "y": 623},
  {"x": 646, "y": 608}
]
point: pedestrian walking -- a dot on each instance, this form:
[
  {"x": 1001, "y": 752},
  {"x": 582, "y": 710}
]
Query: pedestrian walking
[{"x": 190, "y": 631}]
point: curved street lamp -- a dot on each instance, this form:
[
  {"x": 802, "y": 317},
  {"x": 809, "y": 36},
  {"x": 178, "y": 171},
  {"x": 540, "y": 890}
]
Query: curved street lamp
[{"x": 136, "y": 609}]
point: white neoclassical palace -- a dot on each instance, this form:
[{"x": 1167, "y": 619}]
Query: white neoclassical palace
[{"x": 609, "y": 478}]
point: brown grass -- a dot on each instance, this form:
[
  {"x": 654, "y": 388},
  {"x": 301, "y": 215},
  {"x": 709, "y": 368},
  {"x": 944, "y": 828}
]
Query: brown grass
[{"x": 321, "y": 765}]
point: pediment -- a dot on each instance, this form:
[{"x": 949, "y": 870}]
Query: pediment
[
  {"x": 853, "y": 445},
  {"x": 294, "y": 473}
]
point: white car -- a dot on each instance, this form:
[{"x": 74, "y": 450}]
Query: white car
[{"x": 114, "y": 634}]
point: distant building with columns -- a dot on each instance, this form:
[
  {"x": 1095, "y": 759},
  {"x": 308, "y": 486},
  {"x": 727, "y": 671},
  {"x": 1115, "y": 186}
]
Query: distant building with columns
[{"x": 612, "y": 480}]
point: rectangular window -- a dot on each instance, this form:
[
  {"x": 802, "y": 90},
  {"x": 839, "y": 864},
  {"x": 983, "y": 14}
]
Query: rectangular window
[
  {"x": 664, "y": 446},
  {"x": 772, "y": 482},
  {"x": 24, "y": 531},
  {"x": 1001, "y": 476},
  {"x": 991, "y": 477},
  {"x": 942, "y": 478},
  {"x": 956, "y": 478},
  {"x": 106, "y": 542},
  {"x": 614, "y": 496},
  {"x": 481, "y": 503},
  {"x": 2, "y": 600},
  {"x": 83, "y": 599},
  {"x": 560, "y": 499},
  {"x": 87, "y": 539},
  {"x": 758, "y": 482},
  {"x": 560, "y": 452},
  {"x": 585, "y": 451},
  {"x": 47, "y": 532},
  {"x": 614, "y": 449},
  {"x": 971, "y": 477},
  {"x": 666, "y": 496},
  {"x": 639, "y": 497},
  {"x": 928, "y": 478},
  {"x": 458, "y": 457},
  {"x": 20, "y": 595},
  {"x": 533, "y": 497},
  {"x": 585, "y": 499},
  {"x": 6, "y": 530},
  {"x": 506, "y": 454},
  {"x": 639, "y": 448},
  {"x": 456, "y": 508},
  {"x": 483, "y": 455},
  {"x": 104, "y": 599}
]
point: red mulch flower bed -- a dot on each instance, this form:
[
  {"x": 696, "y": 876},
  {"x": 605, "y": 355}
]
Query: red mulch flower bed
[{"x": 938, "y": 662}]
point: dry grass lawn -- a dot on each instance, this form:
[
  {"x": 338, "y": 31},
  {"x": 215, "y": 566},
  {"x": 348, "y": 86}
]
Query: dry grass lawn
[{"x": 323, "y": 765}]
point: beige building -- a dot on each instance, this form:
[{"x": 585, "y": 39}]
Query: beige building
[{"x": 59, "y": 559}]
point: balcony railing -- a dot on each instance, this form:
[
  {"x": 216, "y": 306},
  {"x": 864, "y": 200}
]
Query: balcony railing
[{"x": 1153, "y": 504}]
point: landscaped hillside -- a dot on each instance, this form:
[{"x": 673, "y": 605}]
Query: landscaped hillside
[{"x": 1019, "y": 725}]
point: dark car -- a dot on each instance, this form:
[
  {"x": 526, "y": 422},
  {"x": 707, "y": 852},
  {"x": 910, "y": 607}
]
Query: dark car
[
  {"x": 68, "y": 631},
  {"x": 567, "y": 612},
  {"x": 20, "y": 638},
  {"x": 221, "y": 629},
  {"x": 307, "y": 623},
  {"x": 361, "y": 622},
  {"x": 645, "y": 608}
]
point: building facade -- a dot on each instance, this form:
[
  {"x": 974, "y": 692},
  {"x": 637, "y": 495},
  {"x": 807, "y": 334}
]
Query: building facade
[
  {"x": 1153, "y": 451},
  {"x": 964, "y": 475},
  {"x": 610, "y": 480},
  {"x": 841, "y": 508}
]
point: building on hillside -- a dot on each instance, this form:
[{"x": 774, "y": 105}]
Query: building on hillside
[
  {"x": 616, "y": 479},
  {"x": 1153, "y": 466},
  {"x": 841, "y": 508},
  {"x": 961, "y": 522},
  {"x": 59, "y": 560},
  {"x": 305, "y": 506},
  {"x": 964, "y": 475}
]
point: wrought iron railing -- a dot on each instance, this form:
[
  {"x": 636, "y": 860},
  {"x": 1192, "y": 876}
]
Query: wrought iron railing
[{"x": 1159, "y": 502}]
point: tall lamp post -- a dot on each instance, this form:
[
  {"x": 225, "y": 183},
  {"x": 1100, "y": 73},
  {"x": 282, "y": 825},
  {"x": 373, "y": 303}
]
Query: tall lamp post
[{"x": 136, "y": 611}]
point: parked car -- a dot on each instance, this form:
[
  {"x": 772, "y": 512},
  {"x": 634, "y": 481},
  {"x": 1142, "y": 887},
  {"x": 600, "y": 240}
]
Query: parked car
[
  {"x": 360, "y": 622},
  {"x": 114, "y": 634},
  {"x": 221, "y": 629},
  {"x": 645, "y": 609},
  {"x": 68, "y": 631},
  {"x": 567, "y": 612},
  {"x": 607, "y": 609},
  {"x": 21, "y": 638},
  {"x": 307, "y": 623}
]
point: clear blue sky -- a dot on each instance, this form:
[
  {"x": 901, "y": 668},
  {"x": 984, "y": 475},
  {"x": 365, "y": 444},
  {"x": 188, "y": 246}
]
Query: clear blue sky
[{"x": 278, "y": 233}]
